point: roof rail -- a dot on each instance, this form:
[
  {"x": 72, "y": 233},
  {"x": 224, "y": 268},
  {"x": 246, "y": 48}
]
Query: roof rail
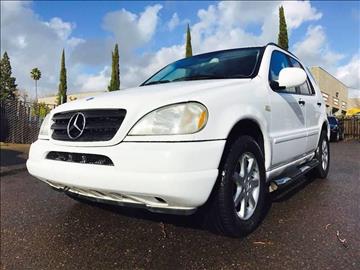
[{"x": 276, "y": 45}]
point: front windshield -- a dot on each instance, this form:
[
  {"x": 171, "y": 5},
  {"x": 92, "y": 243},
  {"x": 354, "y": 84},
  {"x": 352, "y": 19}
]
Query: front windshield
[{"x": 238, "y": 63}]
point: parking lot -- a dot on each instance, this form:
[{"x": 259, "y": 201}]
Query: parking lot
[{"x": 44, "y": 229}]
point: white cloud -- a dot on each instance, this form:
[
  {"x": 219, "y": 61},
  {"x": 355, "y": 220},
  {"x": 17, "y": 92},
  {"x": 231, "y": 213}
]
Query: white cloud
[
  {"x": 174, "y": 21},
  {"x": 350, "y": 75},
  {"x": 222, "y": 26},
  {"x": 31, "y": 41},
  {"x": 314, "y": 49},
  {"x": 225, "y": 25},
  {"x": 73, "y": 41},
  {"x": 130, "y": 29},
  {"x": 21, "y": 42},
  {"x": 297, "y": 12},
  {"x": 61, "y": 28},
  {"x": 86, "y": 82}
]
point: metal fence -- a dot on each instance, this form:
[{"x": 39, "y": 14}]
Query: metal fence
[
  {"x": 19, "y": 121},
  {"x": 351, "y": 126}
]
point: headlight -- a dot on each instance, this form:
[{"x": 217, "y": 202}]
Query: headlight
[
  {"x": 175, "y": 119},
  {"x": 45, "y": 128}
]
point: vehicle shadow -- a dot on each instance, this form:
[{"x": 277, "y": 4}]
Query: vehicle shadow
[{"x": 194, "y": 221}]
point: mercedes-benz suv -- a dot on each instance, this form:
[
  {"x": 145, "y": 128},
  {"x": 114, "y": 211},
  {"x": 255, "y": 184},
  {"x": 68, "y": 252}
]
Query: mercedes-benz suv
[{"x": 223, "y": 128}]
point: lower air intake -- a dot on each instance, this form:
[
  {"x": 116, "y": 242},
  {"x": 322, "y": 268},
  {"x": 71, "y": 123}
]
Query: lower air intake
[{"x": 80, "y": 158}]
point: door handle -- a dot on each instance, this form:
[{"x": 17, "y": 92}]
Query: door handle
[
  {"x": 319, "y": 104},
  {"x": 301, "y": 102}
]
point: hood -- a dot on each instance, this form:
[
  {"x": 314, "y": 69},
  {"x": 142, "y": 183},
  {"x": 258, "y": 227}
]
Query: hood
[
  {"x": 152, "y": 95},
  {"x": 141, "y": 100}
]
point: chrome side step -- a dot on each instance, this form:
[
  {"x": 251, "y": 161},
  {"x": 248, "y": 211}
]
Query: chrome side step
[{"x": 292, "y": 176}]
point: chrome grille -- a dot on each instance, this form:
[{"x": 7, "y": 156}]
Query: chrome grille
[{"x": 101, "y": 124}]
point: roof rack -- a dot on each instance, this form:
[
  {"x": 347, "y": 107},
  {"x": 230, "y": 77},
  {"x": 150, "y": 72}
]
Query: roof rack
[{"x": 274, "y": 44}]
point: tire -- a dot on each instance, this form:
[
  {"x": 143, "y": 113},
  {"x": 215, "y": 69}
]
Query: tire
[
  {"x": 337, "y": 136},
  {"x": 322, "y": 170},
  {"x": 237, "y": 179}
]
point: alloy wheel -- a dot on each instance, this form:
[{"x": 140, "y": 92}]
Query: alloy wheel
[
  {"x": 247, "y": 186},
  {"x": 325, "y": 155}
]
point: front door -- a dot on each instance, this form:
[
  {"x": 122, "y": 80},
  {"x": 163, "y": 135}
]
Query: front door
[{"x": 288, "y": 124}]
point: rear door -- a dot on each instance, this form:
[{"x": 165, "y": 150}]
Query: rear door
[{"x": 288, "y": 126}]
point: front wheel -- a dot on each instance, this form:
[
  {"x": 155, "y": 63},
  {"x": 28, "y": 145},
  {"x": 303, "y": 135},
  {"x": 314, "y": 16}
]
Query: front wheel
[
  {"x": 241, "y": 198},
  {"x": 323, "y": 156}
]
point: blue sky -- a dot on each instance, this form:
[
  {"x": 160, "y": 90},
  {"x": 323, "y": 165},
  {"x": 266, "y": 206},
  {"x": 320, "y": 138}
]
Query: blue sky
[
  {"x": 340, "y": 19},
  {"x": 151, "y": 34}
]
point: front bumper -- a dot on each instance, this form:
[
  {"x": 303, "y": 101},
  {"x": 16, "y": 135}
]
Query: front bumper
[{"x": 159, "y": 176}]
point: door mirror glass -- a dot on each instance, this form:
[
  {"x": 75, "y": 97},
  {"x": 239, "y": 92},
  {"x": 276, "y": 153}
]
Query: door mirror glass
[{"x": 291, "y": 77}]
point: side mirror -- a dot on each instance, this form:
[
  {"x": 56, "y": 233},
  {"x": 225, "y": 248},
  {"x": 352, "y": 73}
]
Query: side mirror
[{"x": 291, "y": 77}]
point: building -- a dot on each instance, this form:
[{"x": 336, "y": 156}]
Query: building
[
  {"x": 52, "y": 100},
  {"x": 335, "y": 93}
]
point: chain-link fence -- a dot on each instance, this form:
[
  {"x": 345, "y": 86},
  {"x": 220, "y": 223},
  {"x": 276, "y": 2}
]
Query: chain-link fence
[{"x": 20, "y": 121}]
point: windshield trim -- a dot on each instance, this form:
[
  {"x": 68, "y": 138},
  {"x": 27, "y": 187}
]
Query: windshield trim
[{"x": 251, "y": 76}]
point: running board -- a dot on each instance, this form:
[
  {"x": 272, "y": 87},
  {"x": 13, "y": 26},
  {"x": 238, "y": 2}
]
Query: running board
[{"x": 292, "y": 176}]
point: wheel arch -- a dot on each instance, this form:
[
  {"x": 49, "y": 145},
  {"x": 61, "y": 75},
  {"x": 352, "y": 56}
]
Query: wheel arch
[
  {"x": 250, "y": 127},
  {"x": 325, "y": 127}
]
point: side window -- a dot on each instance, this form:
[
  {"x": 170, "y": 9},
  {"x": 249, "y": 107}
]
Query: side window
[
  {"x": 279, "y": 61},
  {"x": 304, "y": 89}
]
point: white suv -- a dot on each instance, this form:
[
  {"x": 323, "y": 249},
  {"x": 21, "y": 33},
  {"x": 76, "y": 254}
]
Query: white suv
[{"x": 224, "y": 128}]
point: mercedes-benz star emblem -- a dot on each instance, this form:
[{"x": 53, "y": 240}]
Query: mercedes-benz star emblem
[{"x": 76, "y": 125}]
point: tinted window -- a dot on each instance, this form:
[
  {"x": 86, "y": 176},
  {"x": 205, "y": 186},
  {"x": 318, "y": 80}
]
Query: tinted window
[{"x": 279, "y": 61}]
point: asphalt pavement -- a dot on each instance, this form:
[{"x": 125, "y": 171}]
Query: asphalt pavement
[
  {"x": 317, "y": 226},
  {"x": 13, "y": 158}
]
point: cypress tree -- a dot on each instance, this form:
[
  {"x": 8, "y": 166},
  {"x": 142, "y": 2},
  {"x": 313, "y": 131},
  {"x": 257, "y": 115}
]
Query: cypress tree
[
  {"x": 283, "y": 41},
  {"x": 7, "y": 82},
  {"x": 62, "y": 97},
  {"x": 115, "y": 70},
  {"x": 188, "y": 50}
]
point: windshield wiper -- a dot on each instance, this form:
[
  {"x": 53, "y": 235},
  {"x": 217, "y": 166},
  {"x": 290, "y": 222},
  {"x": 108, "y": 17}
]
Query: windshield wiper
[{"x": 157, "y": 82}]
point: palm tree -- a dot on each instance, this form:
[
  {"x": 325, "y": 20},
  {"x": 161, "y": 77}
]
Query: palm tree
[{"x": 35, "y": 75}]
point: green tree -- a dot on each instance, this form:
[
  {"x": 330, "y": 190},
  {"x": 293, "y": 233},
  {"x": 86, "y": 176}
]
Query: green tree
[
  {"x": 35, "y": 75},
  {"x": 62, "y": 97},
  {"x": 7, "y": 82},
  {"x": 40, "y": 109},
  {"x": 283, "y": 41},
  {"x": 115, "y": 70},
  {"x": 188, "y": 50}
]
